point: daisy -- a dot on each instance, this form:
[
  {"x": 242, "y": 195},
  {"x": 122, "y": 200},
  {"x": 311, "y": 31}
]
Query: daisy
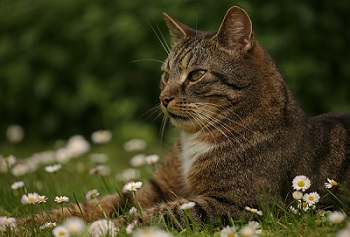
[
  {"x": 293, "y": 210},
  {"x": 48, "y": 225},
  {"x": 311, "y": 198},
  {"x": 151, "y": 232},
  {"x": 251, "y": 230},
  {"x": 98, "y": 158},
  {"x": 128, "y": 174},
  {"x": 92, "y": 194},
  {"x": 60, "y": 199},
  {"x": 42, "y": 198},
  {"x": 7, "y": 222},
  {"x": 15, "y": 133},
  {"x": 331, "y": 183},
  {"x": 62, "y": 155},
  {"x": 53, "y": 168},
  {"x": 130, "y": 228},
  {"x": 152, "y": 159},
  {"x": 103, "y": 228},
  {"x": 135, "y": 145},
  {"x": 17, "y": 185},
  {"x": 74, "y": 225},
  {"x": 254, "y": 210},
  {"x": 60, "y": 231},
  {"x": 77, "y": 146},
  {"x": 131, "y": 186},
  {"x": 30, "y": 198},
  {"x": 301, "y": 182},
  {"x": 297, "y": 195},
  {"x": 10, "y": 160},
  {"x": 336, "y": 217},
  {"x": 187, "y": 205},
  {"x": 100, "y": 170},
  {"x": 138, "y": 160},
  {"x": 20, "y": 169},
  {"x": 228, "y": 231},
  {"x": 101, "y": 136}
]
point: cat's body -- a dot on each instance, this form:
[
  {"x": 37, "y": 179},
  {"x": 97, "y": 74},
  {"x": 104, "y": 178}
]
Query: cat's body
[{"x": 243, "y": 137}]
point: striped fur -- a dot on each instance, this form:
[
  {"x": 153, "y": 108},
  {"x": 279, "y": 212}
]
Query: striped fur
[{"x": 244, "y": 136}]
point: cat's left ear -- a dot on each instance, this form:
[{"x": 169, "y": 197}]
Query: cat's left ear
[
  {"x": 236, "y": 31},
  {"x": 178, "y": 30}
]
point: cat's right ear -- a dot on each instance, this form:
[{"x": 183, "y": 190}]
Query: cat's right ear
[
  {"x": 178, "y": 30},
  {"x": 236, "y": 31}
]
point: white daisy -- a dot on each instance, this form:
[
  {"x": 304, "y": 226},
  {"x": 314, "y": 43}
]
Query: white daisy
[
  {"x": 151, "y": 232},
  {"x": 20, "y": 169},
  {"x": 297, "y": 195},
  {"x": 60, "y": 199},
  {"x": 293, "y": 210},
  {"x": 330, "y": 183},
  {"x": 138, "y": 160},
  {"x": 53, "y": 168},
  {"x": 187, "y": 205},
  {"x": 336, "y": 217},
  {"x": 135, "y": 145},
  {"x": 42, "y": 198},
  {"x": 74, "y": 225},
  {"x": 102, "y": 228},
  {"x": 15, "y": 133},
  {"x": 101, "y": 136},
  {"x": 301, "y": 182},
  {"x": 228, "y": 231},
  {"x": 152, "y": 159},
  {"x": 17, "y": 185},
  {"x": 92, "y": 194},
  {"x": 29, "y": 198},
  {"x": 77, "y": 146},
  {"x": 128, "y": 174},
  {"x": 251, "y": 230},
  {"x": 254, "y": 210},
  {"x": 60, "y": 231},
  {"x": 48, "y": 225},
  {"x": 131, "y": 186},
  {"x": 7, "y": 222},
  {"x": 311, "y": 198},
  {"x": 98, "y": 157}
]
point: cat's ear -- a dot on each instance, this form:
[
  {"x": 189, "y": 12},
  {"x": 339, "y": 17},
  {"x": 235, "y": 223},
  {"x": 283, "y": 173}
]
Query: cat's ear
[
  {"x": 236, "y": 30},
  {"x": 178, "y": 30}
]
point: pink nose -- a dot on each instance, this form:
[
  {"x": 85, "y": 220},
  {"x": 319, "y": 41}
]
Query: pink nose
[{"x": 165, "y": 99}]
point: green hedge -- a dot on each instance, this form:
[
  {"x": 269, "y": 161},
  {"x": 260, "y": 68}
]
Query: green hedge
[{"x": 76, "y": 66}]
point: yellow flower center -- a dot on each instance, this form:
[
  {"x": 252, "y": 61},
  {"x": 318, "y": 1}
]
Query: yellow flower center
[
  {"x": 304, "y": 204},
  {"x": 334, "y": 183},
  {"x": 311, "y": 198},
  {"x": 31, "y": 199},
  {"x": 301, "y": 183},
  {"x": 231, "y": 235},
  {"x": 61, "y": 233}
]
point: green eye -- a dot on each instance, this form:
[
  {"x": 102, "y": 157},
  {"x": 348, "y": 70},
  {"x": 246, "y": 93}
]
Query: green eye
[
  {"x": 196, "y": 75},
  {"x": 165, "y": 77}
]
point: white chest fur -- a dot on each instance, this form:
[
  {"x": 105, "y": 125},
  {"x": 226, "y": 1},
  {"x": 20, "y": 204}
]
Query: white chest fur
[{"x": 191, "y": 150}]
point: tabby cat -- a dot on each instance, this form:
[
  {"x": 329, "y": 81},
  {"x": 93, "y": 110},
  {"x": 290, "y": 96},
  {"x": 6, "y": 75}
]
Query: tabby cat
[{"x": 243, "y": 136}]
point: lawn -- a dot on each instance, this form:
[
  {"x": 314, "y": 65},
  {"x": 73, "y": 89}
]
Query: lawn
[{"x": 74, "y": 167}]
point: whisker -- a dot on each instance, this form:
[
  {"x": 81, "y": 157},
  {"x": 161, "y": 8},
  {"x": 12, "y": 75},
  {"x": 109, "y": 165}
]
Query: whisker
[{"x": 164, "y": 44}]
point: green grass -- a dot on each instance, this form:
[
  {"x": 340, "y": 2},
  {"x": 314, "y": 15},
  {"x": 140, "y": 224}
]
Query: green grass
[{"x": 73, "y": 180}]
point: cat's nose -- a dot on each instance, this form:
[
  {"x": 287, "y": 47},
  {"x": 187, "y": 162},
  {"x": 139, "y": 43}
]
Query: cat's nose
[{"x": 166, "y": 99}]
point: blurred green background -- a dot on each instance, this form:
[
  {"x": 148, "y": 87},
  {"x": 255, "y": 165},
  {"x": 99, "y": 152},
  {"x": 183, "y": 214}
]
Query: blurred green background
[{"x": 76, "y": 66}]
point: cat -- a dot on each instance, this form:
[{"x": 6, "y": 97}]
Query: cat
[{"x": 243, "y": 136}]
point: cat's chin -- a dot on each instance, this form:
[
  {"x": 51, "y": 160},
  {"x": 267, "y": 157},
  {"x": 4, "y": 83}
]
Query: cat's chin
[{"x": 187, "y": 125}]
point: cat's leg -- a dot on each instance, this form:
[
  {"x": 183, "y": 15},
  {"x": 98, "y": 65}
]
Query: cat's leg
[{"x": 174, "y": 213}]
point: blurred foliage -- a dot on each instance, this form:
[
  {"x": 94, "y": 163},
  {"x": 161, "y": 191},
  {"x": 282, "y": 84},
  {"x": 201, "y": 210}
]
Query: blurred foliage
[{"x": 77, "y": 66}]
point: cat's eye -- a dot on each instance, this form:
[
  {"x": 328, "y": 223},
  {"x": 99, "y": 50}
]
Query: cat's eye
[
  {"x": 165, "y": 77},
  {"x": 196, "y": 75}
]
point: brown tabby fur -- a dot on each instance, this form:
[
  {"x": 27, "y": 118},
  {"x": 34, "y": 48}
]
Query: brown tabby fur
[{"x": 243, "y": 140}]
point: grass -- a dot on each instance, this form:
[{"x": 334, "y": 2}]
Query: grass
[{"x": 74, "y": 181}]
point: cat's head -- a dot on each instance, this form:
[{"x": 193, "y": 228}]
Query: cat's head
[{"x": 208, "y": 75}]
